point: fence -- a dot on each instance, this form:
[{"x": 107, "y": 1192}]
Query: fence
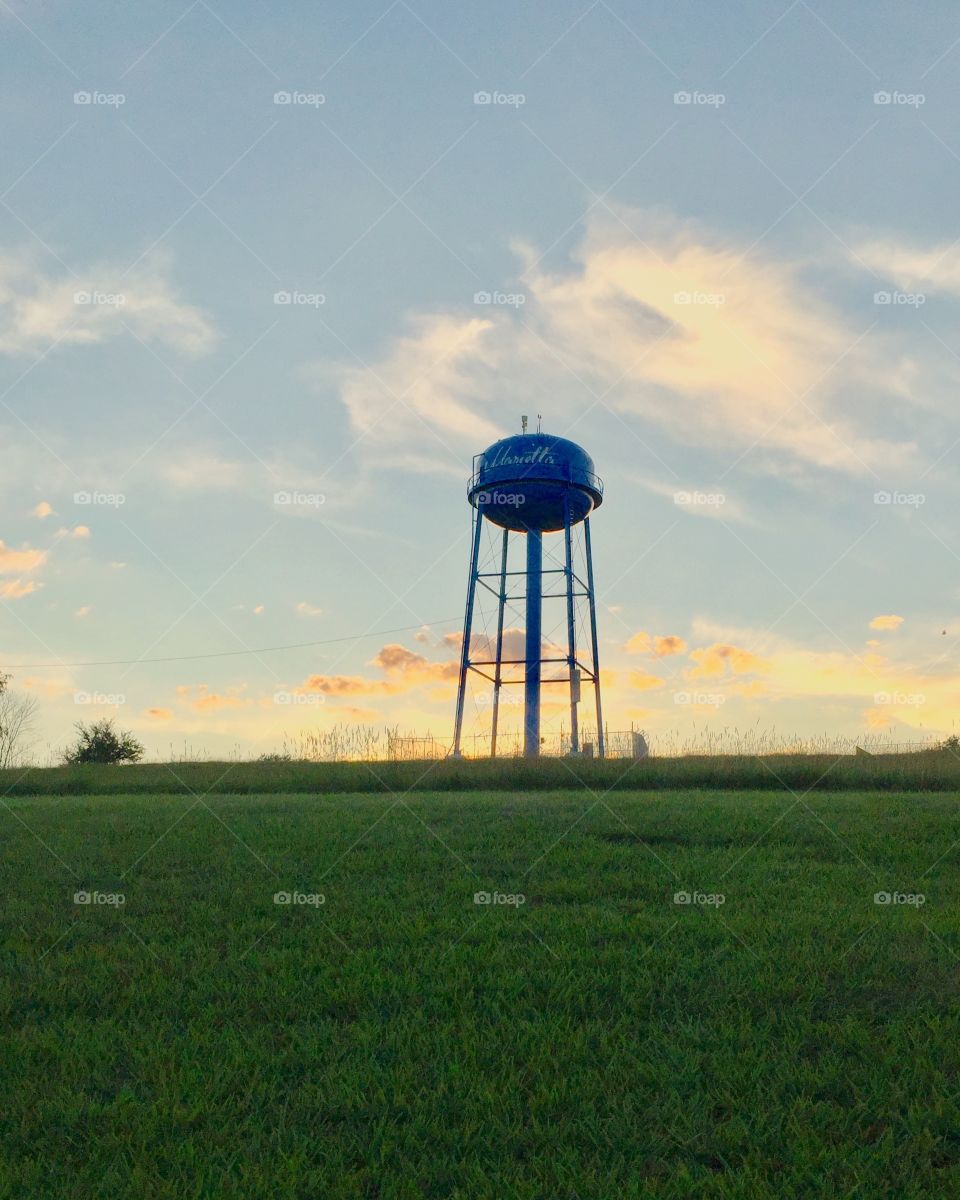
[
  {"x": 619, "y": 743},
  {"x": 633, "y": 743}
]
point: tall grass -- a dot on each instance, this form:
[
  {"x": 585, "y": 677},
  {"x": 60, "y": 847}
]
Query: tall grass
[{"x": 929, "y": 770}]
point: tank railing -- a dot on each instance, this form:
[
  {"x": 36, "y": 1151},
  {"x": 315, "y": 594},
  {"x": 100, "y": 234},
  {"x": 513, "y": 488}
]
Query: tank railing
[{"x": 590, "y": 478}]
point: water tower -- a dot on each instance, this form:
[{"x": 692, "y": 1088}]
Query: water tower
[{"x": 527, "y": 486}]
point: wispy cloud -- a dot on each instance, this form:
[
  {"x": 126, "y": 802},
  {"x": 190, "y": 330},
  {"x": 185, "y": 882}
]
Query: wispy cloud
[
  {"x": 686, "y": 330},
  {"x": 38, "y": 311}
]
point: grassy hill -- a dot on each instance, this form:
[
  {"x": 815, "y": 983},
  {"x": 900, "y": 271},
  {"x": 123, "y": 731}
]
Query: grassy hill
[{"x": 485, "y": 996}]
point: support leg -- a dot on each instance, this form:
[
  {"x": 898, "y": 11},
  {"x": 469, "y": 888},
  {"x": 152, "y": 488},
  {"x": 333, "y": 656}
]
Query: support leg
[
  {"x": 571, "y": 632},
  {"x": 497, "y": 676},
  {"x": 593, "y": 635},
  {"x": 467, "y": 627},
  {"x": 531, "y": 697}
]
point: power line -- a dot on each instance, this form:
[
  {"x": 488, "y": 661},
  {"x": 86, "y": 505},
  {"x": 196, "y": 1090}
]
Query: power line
[{"x": 126, "y": 662}]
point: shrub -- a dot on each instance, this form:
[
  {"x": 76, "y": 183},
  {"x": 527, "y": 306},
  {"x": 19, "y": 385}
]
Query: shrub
[{"x": 99, "y": 742}]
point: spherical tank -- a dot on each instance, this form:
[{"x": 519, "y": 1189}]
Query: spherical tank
[{"x": 529, "y": 480}]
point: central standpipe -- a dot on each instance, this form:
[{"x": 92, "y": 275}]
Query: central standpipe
[{"x": 534, "y": 639}]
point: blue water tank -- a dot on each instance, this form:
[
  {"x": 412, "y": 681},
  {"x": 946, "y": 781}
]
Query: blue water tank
[{"x": 523, "y": 482}]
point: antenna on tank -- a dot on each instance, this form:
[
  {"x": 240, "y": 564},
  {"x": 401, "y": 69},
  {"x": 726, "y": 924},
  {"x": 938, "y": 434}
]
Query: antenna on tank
[{"x": 523, "y": 424}]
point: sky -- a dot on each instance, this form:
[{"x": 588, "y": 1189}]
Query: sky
[{"x": 270, "y": 278}]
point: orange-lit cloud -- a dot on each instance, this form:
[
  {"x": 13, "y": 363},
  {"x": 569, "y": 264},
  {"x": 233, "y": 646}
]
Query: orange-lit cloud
[
  {"x": 890, "y": 621},
  {"x": 308, "y": 610},
  {"x": 14, "y": 589},
  {"x": 642, "y": 682},
  {"x": 43, "y": 510},
  {"x": 660, "y": 647},
  {"x": 878, "y": 718},
  {"x": 160, "y": 714},
  {"x": 201, "y": 699},
  {"x": 404, "y": 671},
  {"x": 15, "y": 562},
  {"x": 712, "y": 662},
  {"x": 345, "y": 685}
]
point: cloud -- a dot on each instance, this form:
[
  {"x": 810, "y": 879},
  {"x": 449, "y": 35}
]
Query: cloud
[
  {"x": 916, "y": 266},
  {"x": 683, "y": 329},
  {"x": 13, "y": 562},
  {"x": 890, "y": 621},
  {"x": 78, "y": 531},
  {"x": 404, "y": 671},
  {"x": 395, "y": 657},
  {"x": 205, "y": 472},
  {"x": 344, "y": 685},
  {"x": 660, "y": 647},
  {"x": 421, "y": 404},
  {"x": 200, "y": 698},
  {"x": 713, "y": 662},
  {"x": 308, "y": 610},
  {"x": 19, "y": 563},
  {"x": 38, "y": 311},
  {"x": 642, "y": 682},
  {"x": 14, "y": 589},
  {"x": 43, "y": 510},
  {"x": 159, "y": 714},
  {"x": 878, "y": 718},
  {"x": 83, "y": 612},
  {"x": 712, "y": 502}
]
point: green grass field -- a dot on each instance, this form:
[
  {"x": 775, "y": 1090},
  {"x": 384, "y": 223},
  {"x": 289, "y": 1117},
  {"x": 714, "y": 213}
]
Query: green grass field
[
  {"x": 400, "y": 1040},
  {"x": 932, "y": 770}
]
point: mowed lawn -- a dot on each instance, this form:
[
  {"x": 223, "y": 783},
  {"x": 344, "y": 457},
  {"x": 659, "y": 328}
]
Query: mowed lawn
[{"x": 399, "y": 1039}]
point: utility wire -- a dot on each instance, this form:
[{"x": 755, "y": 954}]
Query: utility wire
[{"x": 126, "y": 662}]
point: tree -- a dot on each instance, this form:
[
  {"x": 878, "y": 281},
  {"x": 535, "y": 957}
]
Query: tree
[
  {"x": 99, "y": 742},
  {"x": 17, "y": 722}
]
